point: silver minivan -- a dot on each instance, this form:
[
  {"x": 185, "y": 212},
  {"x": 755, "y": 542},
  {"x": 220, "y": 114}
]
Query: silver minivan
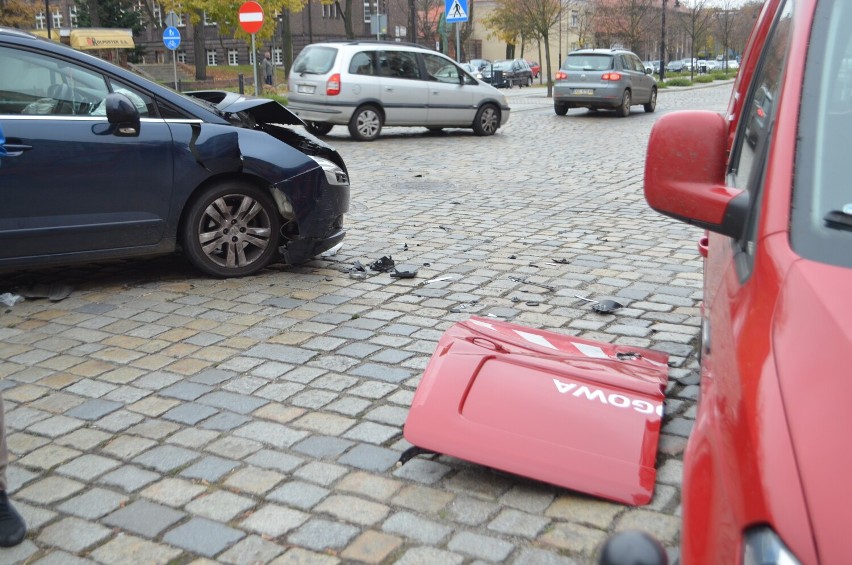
[{"x": 367, "y": 85}]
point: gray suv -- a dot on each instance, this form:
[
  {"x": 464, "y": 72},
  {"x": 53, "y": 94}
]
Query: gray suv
[
  {"x": 597, "y": 79},
  {"x": 367, "y": 85}
]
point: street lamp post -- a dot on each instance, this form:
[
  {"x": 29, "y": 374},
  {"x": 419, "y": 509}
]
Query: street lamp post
[
  {"x": 663, "y": 42},
  {"x": 47, "y": 16}
]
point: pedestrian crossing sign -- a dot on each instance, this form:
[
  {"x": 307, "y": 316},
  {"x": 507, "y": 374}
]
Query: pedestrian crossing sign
[{"x": 456, "y": 11}]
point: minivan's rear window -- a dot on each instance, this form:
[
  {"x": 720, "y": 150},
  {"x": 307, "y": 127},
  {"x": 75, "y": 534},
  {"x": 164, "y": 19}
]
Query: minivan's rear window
[
  {"x": 588, "y": 62},
  {"x": 315, "y": 59}
]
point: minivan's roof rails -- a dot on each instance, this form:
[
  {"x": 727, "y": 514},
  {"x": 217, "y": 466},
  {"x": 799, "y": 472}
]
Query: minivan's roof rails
[{"x": 386, "y": 42}]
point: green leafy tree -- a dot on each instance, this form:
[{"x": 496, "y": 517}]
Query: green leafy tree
[{"x": 110, "y": 13}]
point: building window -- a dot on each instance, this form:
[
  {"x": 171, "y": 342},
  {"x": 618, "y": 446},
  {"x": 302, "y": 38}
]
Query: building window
[
  {"x": 57, "y": 19},
  {"x": 251, "y": 57},
  {"x": 181, "y": 56},
  {"x": 72, "y": 16},
  {"x": 211, "y": 57},
  {"x": 40, "y": 20},
  {"x": 158, "y": 15},
  {"x": 207, "y": 21},
  {"x": 575, "y": 19},
  {"x": 369, "y": 8},
  {"x": 276, "y": 56},
  {"x": 233, "y": 57},
  {"x": 329, "y": 11}
]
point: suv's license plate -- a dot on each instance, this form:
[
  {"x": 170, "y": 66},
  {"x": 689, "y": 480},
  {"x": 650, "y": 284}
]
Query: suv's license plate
[
  {"x": 307, "y": 88},
  {"x": 584, "y": 91}
]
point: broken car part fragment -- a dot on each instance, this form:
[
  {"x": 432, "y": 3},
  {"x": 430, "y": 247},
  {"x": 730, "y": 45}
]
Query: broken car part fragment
[{"x": 552, "y": 407}]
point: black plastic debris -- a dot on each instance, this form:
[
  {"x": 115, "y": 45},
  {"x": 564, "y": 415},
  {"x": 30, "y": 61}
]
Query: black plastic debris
[
  {"x": 53, "y": 292},
  {"x": 602, "y": 306},
  {"x": 357, "y": 267},
  {"x": 405, "y": 247},
  {"x": 525, "y": 281},
  {"x": 532, "y": 303},
  {"x": 404, "y": 272},
  {"x": 445, "y": 228},
  {"x": 382, "y": 265},
  {"x": 513, "y": 257},
  {"x": 607, "y": 306},
  {"x": 561, "y": 261}
]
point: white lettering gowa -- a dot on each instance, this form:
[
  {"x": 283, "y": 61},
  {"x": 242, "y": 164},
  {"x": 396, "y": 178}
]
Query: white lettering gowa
[{"x": 617, "y": 400}]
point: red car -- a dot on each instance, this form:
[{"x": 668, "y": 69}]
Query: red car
[
  {"x": 766, "y": 480},
  {"x": 534, "y": 67}
]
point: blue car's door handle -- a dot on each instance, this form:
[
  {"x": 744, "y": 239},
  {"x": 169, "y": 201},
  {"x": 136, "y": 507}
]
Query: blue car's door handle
[{"x": 15, "y": 150}]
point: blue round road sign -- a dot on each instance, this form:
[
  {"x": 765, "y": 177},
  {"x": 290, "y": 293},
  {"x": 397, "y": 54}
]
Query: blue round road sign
[{"x": 171, "y": 38}]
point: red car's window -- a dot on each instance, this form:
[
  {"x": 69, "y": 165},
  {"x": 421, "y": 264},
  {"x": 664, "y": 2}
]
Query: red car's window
[{"x": 822, "y": 198}]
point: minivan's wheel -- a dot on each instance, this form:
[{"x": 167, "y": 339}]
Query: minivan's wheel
[
  {"x": 366, "y": 123},
  {"x": 560, "y": 108},
  {"x": 487, "y": 120},
  {"x": 318, "y": 128},
  {"x": 529, "y": 82},
  {"x": 652, "y": 103},
  {"x": 231, "y": 230},
  {"x": 624, "y": 109}
]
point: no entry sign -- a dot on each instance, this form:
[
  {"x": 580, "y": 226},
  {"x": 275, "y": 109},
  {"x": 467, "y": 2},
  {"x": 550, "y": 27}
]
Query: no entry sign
[{"x": 251, "y": 17}]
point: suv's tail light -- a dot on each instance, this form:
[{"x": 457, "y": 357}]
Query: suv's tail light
[
  {"x": 611, "y": 76},
  {"x": 561, "y": 75},
  {"x": 332, "y": 87}
]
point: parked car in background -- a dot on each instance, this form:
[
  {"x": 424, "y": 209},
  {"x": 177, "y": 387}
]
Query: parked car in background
[
  {"x": 535, "y": 68},
  {"x": 652, "y": 66},
  {"x": 603, "y": 79},
  {"x": 764, "y": 478},
  {"x": 508, "y": 73},
  {"x": 480, "y": 63},
  {"x": 473, "y": 70},
  {"x": 368, "y": 85},
  {"x": 675, "y": 66},
  {"x": 101, "y": 163}
]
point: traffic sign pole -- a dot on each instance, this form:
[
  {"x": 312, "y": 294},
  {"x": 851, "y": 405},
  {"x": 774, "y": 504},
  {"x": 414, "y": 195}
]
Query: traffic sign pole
[
  {"x": 171, "y": 39},
  {"x": 251, "y": 20},
  {"x": 254, "y": 51}
]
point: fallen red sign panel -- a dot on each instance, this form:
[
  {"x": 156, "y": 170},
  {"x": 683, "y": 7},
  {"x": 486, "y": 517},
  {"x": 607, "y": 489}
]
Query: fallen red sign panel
[{"x": 560, "y": 409}]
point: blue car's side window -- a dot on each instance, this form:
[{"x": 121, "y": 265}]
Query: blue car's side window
[{"x": 37, "y": 84}]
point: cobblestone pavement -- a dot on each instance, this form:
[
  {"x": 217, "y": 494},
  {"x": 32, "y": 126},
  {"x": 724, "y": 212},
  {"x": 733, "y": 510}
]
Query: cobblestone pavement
[{"x": 156, "y": 415}]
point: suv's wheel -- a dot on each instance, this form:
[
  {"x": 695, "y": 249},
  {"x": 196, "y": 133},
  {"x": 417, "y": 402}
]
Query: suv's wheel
[
  {"x": 366, "y": 123},
  {"x": 561, "y": 108},
  {"x": 624, "y": 109},
  {"x": 487, "y": 120},
  {"x": 652, "y": 103},
  {"x": 529, "y": 82},
  {"x": 231, "y": 230},
  {"x": 318, "y": 128}
]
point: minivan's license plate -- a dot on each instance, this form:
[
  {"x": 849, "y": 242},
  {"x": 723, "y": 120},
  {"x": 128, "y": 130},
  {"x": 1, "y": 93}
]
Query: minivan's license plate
[
  {"x": 307, "y": 88},
  {"x": 584, "y": 91}
]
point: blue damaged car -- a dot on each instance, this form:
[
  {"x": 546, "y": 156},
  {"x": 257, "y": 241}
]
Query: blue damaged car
[{"x": 101, "y": 163}]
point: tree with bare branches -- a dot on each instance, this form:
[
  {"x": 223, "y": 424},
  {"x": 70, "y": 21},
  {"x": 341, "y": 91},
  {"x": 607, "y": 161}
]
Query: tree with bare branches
[
  {"x": 695, "y": 20},
  {"x": 17, "y": 13}
]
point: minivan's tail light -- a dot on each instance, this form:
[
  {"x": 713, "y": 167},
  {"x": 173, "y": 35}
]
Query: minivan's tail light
[
  {"x": 611, "y": 76},
  {"x": 332, "y": 87},
  {"x": 561, "y": 75}
]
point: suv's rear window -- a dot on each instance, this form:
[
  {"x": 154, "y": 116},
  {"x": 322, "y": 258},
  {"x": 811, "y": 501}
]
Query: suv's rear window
[
  {"x": 588, "y": 62},
  {"x": 315, "y": 59}
]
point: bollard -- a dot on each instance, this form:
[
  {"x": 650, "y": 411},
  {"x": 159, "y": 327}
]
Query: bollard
[{"x": 241, "y": 83}]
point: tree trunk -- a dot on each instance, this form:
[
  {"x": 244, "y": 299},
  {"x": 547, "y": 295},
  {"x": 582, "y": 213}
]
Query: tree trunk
[
  {"x": 94, "y": 15},
  {"x": 411, "y": 34},
  {"x": 287, "y": 42},
  {"x": 547, "y": 60},
  {"x": 198, "y": 47}
]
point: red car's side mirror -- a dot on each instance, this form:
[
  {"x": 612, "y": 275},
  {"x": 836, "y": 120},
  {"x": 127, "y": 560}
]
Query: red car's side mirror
[{"x": 685, "y": 172}]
